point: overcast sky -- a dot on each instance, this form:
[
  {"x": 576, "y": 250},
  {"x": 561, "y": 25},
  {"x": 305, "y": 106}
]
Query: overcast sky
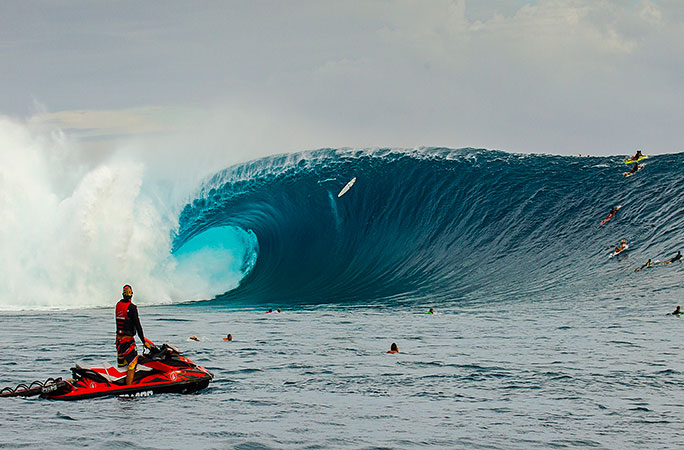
[{"x": 546, "y": 76}]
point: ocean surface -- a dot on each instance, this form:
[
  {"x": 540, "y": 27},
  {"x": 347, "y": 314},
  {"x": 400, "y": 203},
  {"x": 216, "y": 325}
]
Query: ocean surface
[{"x": 538, "y": 340}]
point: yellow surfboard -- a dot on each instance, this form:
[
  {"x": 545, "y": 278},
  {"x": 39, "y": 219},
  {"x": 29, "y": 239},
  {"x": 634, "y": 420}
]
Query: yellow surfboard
[{"x": 630, "y": 161}]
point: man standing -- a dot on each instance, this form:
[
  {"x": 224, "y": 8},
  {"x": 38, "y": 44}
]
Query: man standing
[{"x": 127, "y": 324}]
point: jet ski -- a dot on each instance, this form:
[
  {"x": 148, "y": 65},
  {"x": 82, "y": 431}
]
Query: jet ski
[{"x": 162, "y": 369}]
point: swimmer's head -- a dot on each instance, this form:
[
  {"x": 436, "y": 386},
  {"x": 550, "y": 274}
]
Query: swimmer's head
[{"x": 394, "y": 347}]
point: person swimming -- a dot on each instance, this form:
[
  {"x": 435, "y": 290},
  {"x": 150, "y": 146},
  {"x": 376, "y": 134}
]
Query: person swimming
[
  {"x": 677, "y": 311},
  {"x": 635, "y": 167},
  {"x": 647, "y": 264},
  {"x": 194, "y": 338},
  {"x": 431, "y": 311},
  {"x": 228, "y": 338},
  {"x": 393, "y": 348},
  {"x": 676, "y": 257},
  {"x": 636, "y": 156}
]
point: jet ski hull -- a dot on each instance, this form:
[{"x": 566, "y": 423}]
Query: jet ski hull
[
  {"x": 162, "y": 370},
  {"x": 180, "y": 382}
]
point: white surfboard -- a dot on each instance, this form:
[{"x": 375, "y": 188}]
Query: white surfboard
[
  {"x": 347, "y": 187},
  {"x": 615, "y": 253}
]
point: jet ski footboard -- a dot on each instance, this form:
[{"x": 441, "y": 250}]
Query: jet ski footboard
[{"x": 83, "y": 372}]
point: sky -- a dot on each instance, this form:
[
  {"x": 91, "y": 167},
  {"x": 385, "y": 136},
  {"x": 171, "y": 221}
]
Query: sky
[{"x": 261, "y": 77}]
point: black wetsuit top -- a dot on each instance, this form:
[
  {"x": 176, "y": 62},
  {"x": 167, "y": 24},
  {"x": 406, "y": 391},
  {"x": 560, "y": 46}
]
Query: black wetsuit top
[
  {"x": 127, "y": 320},
  {"x": 677, "y": 257}
]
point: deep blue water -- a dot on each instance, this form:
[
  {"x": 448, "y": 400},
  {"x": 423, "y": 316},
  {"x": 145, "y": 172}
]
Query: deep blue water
[
  {"x": 539, "y": 341},
  {"x": 437, "y": 224}
]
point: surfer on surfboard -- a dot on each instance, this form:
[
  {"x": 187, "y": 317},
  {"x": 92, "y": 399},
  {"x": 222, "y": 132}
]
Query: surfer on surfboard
[
  {"x": 636, "y": 156},
  {"x": 634, "y": 170},
  {"x": 611, "y": 214},
  {"x": 620, "y": 248},
  {"x": 647, "y": 264},
  {"x": 676, "y": 257}
]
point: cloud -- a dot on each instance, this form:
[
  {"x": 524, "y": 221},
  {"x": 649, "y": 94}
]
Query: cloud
[
  {"x": 518, "y": 75},
  {"x": 97, "y": 124}
]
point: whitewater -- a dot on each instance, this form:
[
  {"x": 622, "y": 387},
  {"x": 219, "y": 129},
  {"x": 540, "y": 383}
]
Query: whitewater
[{"x": 539, "y": 338}]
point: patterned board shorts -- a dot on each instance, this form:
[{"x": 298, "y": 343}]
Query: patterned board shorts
[{"x": 126, "y": 353}]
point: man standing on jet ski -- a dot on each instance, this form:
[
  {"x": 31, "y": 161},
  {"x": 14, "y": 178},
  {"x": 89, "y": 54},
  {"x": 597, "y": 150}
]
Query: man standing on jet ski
[{"x": 127, "y": 324}]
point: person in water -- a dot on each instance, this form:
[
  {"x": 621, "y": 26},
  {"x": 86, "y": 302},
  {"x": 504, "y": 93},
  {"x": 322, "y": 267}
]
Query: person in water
[
  {"x": 676, "y": 257},
  {"x": 393, "y": 348},
  {"x": 647, "y": 264},
  {"x": 677, "y": 311},
  {"x": 228, "y": 338},
  {"x": 637, "y": 155},
  {"x": 127, "y": 325},
  {"x": 635, "y": 167},
  {"x": 431, "y": 311},
  {"x": 621, "y": 247}
]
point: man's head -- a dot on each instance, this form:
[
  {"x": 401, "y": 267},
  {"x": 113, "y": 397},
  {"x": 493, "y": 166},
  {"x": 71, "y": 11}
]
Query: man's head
[{"x": 127, "y": 291}]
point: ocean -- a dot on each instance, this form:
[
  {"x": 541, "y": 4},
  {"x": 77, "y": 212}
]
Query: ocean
[{"x": 539, "y": 338}]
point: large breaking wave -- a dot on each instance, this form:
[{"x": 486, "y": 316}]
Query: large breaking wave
[{"x": 439, "y": 225}]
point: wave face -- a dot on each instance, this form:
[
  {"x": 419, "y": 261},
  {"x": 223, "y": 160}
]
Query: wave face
[{"x": 435, "y": 225}]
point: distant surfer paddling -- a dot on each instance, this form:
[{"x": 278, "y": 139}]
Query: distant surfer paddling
[
  {"x": 620, "y": 248},
  {"x": 611, "y": 214},
  {"x": 635, "y": 168},
  {"x": 647, "y": 264},
  {"x": 347, "y": 187},
  {"x": 676, "y": 257},
  {"x": 636, "y": 156}
]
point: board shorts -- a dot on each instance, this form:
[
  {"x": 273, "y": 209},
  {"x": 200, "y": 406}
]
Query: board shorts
[{"x": 126, "y": 352}]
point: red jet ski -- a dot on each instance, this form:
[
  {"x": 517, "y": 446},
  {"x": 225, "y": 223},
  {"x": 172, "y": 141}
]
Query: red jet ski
[{"x": 163, "y": 369}]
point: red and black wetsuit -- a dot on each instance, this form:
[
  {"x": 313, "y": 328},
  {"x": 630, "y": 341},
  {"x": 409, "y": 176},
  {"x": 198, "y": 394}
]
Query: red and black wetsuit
[{"x": 127, "y": 324}]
